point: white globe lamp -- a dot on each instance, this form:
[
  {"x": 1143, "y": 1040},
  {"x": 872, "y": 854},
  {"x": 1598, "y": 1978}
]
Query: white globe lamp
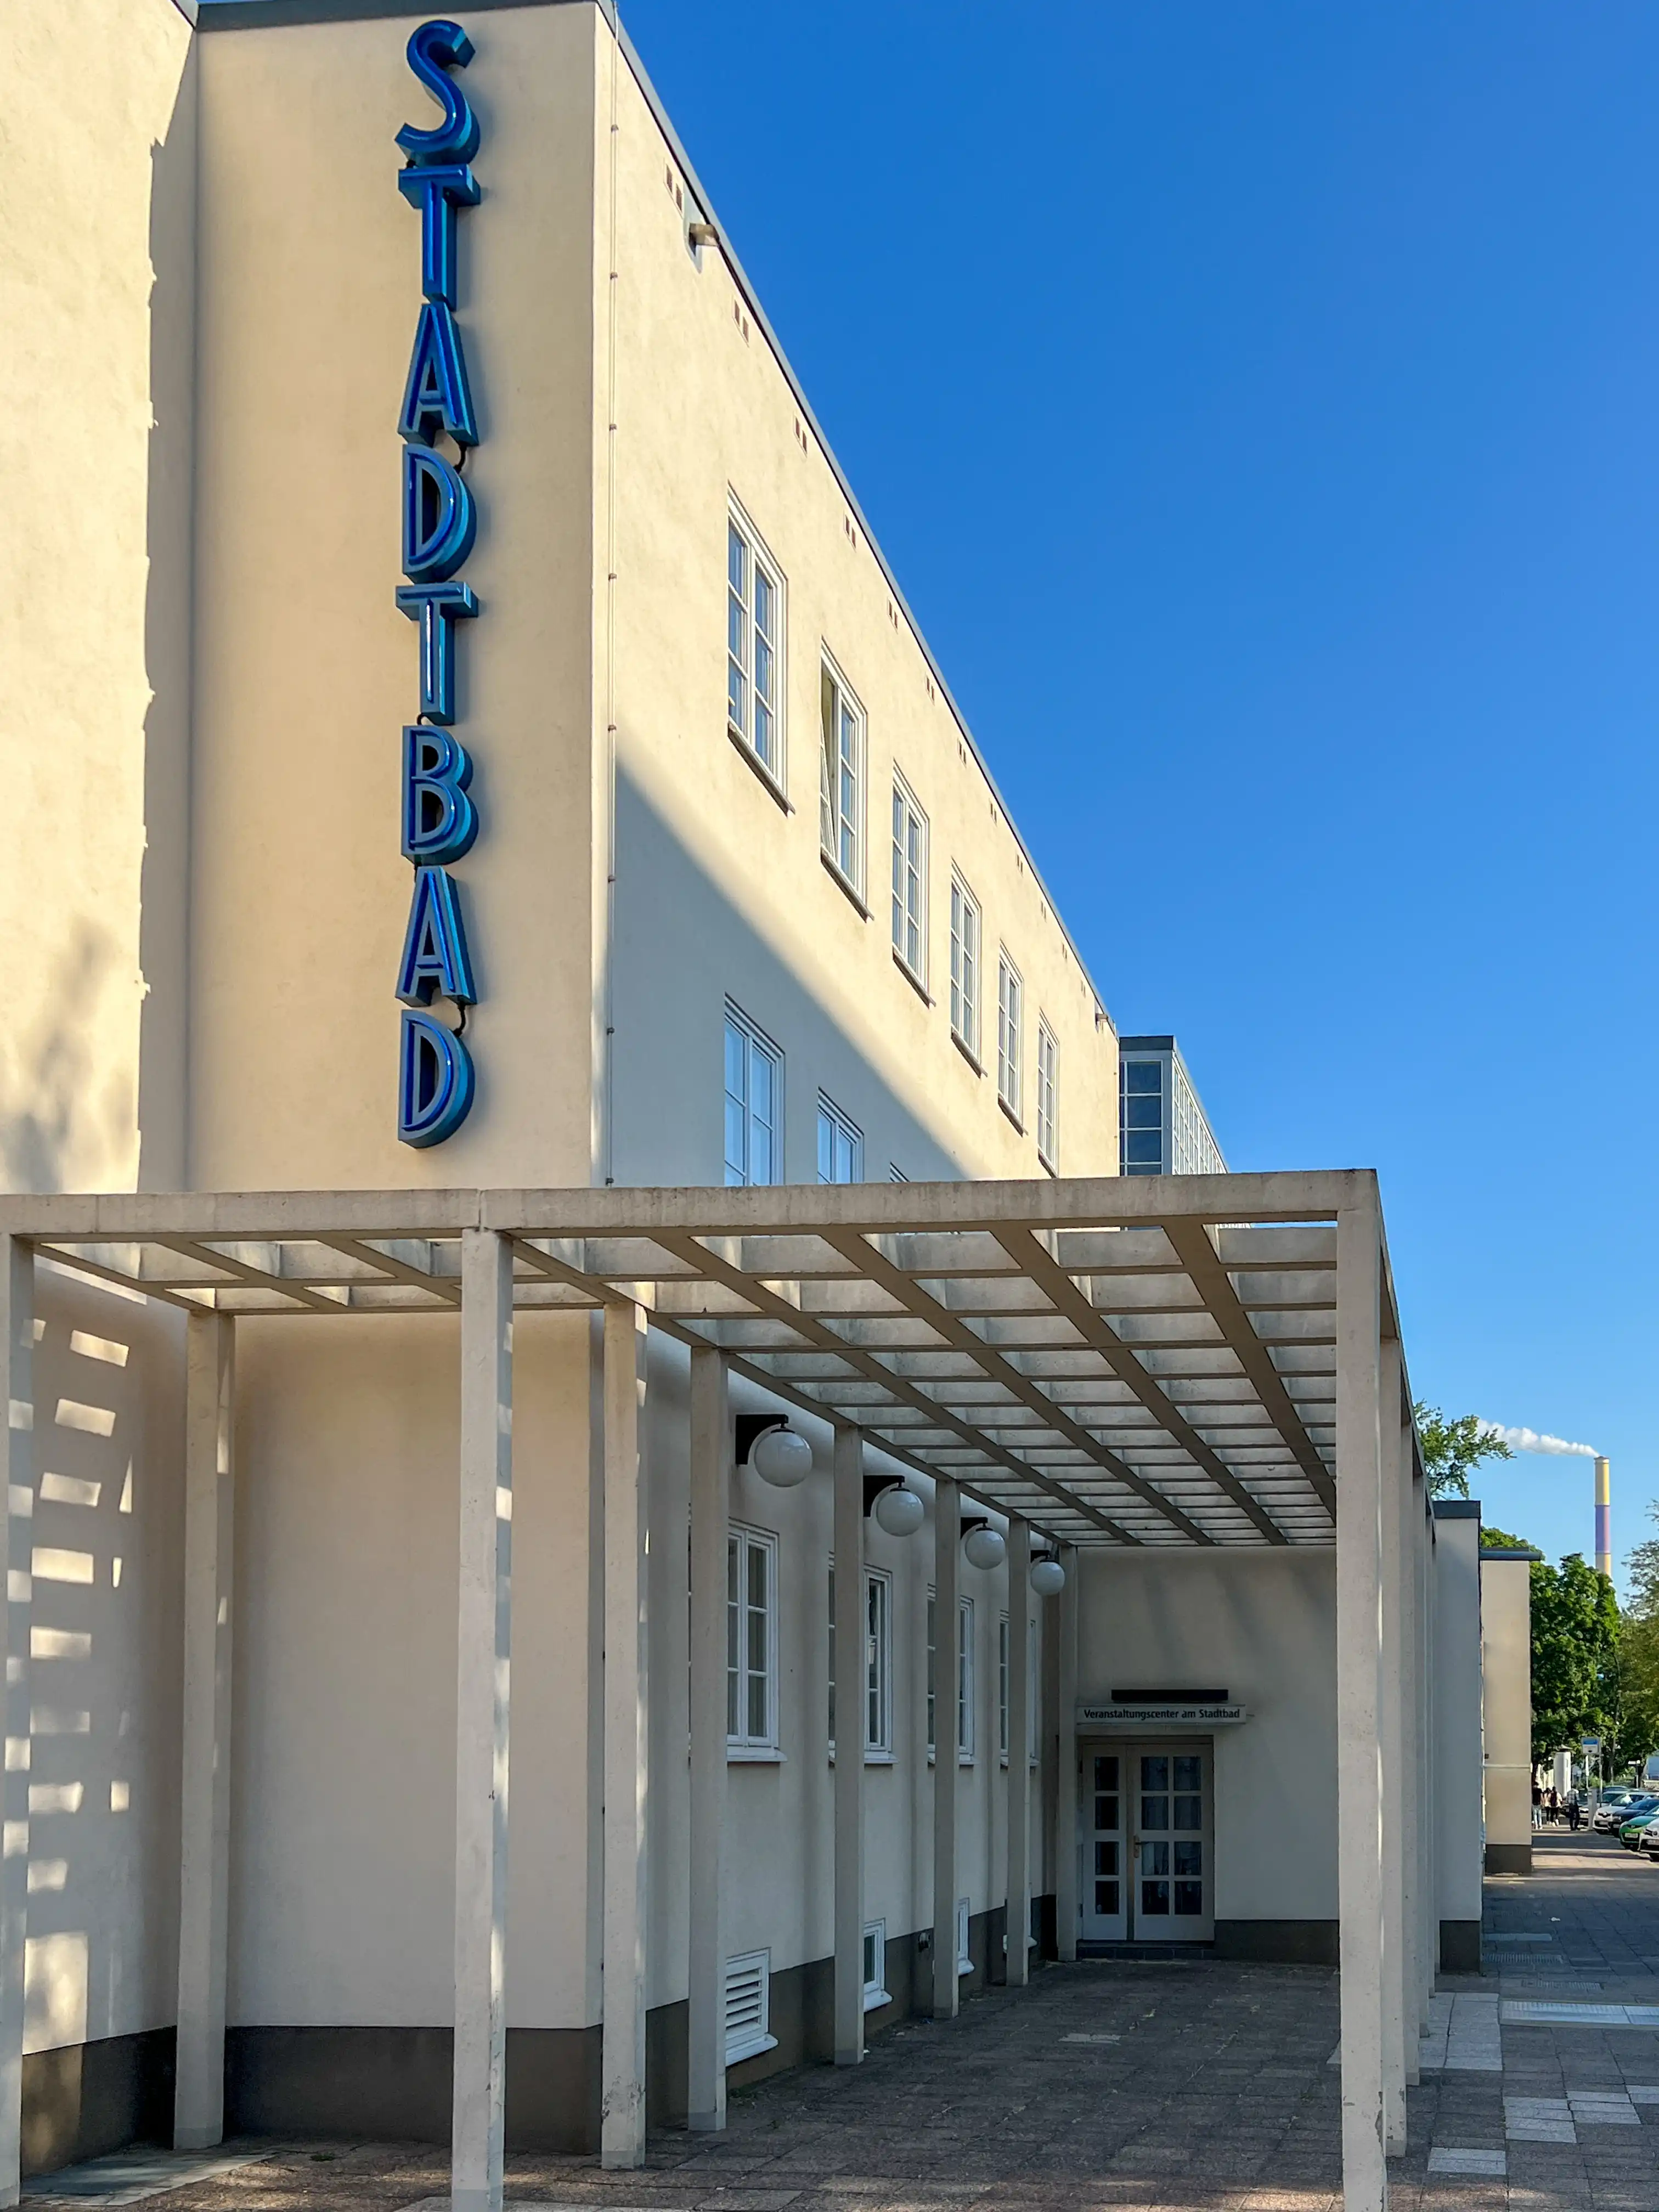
[
  {"x": 1048, "y": 1578},
  {"x": 984, "y": 1547},
  {"x": 899, "y": 1511},
  {"x": 782, "y": 1457}
]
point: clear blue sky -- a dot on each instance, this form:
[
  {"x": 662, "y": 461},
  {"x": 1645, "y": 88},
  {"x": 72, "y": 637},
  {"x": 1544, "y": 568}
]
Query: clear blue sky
[{"x": 1257, "y": 403}]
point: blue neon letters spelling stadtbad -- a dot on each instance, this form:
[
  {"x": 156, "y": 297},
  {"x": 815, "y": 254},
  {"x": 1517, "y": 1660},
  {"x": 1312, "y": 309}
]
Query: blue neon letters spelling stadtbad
[{"x": 436, "y": 1080}]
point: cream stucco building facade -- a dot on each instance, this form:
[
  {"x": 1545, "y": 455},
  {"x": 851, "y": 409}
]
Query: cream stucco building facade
[{"x": 745, "y": 907}]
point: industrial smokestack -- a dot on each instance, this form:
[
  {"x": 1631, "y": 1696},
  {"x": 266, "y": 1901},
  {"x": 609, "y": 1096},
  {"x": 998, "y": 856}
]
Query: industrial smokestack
[{"x": 1603, "y": 1519}]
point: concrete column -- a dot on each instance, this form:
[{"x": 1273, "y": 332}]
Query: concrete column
[
  {"x": 198, "y": 2098},
  {"x": 1359, "y": 1700},
  {"x": 1393, "y": 1533},
  {"x": 1428, "y": 1953},
  {"x": 947, "y": 1633},
  {"x": 17, "y": 1351},
  {"x": 1411, "y": 1776},
  {"x": 622, "y": 2064},
  {"x": 1018, "y": 1916},
  {"x": 850, "y": 1633},
  {"x": 483, "y": 1662},
  {"x": 1066, "y": 1843},
  {"x": 711, "y": 1461}
]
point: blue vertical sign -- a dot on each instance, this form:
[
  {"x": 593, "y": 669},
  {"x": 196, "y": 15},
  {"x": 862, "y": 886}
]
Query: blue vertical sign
[{"x": 435, "y": 1079}]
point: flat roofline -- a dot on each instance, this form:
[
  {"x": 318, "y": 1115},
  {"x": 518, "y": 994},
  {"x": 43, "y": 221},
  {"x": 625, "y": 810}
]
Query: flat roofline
[
  {"x": 1147, "y": 1044},
  {"x": 1457, "y": 1509},
  {"x": 264, "y": 15},
  {"x": 1510, "y": 1551}
]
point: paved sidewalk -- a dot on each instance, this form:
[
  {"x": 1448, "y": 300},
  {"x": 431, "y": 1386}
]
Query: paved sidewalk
[{"x": 1204, "y": 2086}]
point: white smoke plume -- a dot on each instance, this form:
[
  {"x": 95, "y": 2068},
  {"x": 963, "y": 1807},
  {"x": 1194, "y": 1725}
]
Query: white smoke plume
[{"x": 1529, "y": 1440}]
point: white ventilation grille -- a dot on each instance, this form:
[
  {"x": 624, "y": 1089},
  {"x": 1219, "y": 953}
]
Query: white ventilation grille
[
  {"x": 964, "y": 1956},
  {"x": 749, "y": 2006}
]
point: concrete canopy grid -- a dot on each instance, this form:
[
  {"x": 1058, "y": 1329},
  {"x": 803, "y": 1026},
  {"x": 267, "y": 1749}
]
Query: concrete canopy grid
[{"x": 1110, "y": 1362}]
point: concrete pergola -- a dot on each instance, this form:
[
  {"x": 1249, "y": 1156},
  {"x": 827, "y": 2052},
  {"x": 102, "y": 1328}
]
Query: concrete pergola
[{"x": 1112, "y": 1362}]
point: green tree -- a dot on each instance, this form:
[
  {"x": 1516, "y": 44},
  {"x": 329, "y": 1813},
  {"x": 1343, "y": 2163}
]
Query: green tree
[
  {"x": 1576, "y": 1683},
  {"x": 1638, "y": 1661},
  {"x": 1453, "y": 1450}
]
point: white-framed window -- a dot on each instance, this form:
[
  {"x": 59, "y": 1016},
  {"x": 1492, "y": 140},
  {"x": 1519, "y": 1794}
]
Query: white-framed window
[
  {"x": 932, "y": 1672},
  {"x": 964, "y": 1954},
  {"x": 877, "y": 1660},
  {"x": 1033, "y": 1690},
  {"x": 754, "y": 1103},
  {"x": 751, "y": 1641},
  {"x": 1002, "y": 1687},
  {"x": 754, "y": 644},
  {"x": 749, "y": 2006},
  {"x": 841, "y": 779},
  {"x": 875, "y": 1965},
  {"x": 1048, "y": 1095},
  {"x": 964, "y": 964},
  {"x": 965, "y": 1678},
  {"x": 1009, "y": 991},
  {"x": 909, "y": 881},
  {"x": 841, "y": 1145}
]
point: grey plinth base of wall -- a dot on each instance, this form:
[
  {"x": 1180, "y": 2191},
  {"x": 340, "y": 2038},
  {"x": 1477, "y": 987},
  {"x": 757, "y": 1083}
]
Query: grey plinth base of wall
[
  {"x": 1460, "y": 1947},
  {"x": 1509, "y": 1859},
  {"x": 93, "y": 2097},
  {"x": 1278, "y": 1943}
]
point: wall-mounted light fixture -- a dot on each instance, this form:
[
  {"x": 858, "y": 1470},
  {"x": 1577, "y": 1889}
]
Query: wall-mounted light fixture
[
  {"x": 982, "y": 1545},
  {"x": 777, "y": 1453},
  {"x": 1048, "y": 1576},
  {"x": 893, "y": 1507}
]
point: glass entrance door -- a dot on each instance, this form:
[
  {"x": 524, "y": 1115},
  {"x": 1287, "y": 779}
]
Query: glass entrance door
[
  {"x": 1105, "y": 1895},
  {"x": 1174, "y": 1896},
  {"x": 1145, "y": 1843}
]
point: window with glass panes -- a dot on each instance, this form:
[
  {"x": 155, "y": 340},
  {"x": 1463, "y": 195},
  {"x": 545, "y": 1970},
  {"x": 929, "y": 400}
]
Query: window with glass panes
[
  {"x": 964, "y": 964},
  {"x": 841, "y": 778},
  {"x": 965, "y": 1678},
  {"x": 1002, "y": 1685},
  {"x": 1010, "y": 1083},
  {"x": 877, "y": 1660},
  {"x": 1047, "y": 1095},
  {"x": 841, "y": 1147},
  {"x": 751, "y": 1586},
  {"x": 754, "y": 1102},
  {"x": 932, "y": 1672},
  {"x": 754, "y": 601},
  {"x": 1141, "y": 1084},
  {"x": 909, "y": 881}
]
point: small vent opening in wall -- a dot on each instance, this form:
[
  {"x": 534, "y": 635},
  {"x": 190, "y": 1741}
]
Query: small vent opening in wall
[{"x": 749, "y": 2006}]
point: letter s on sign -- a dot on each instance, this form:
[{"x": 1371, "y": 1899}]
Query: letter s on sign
[{"x": 433, "y": 50}]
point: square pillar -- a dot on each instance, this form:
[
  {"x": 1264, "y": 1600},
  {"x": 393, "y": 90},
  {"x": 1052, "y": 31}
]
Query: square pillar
[
  {"x": 1018, "y": 1917},
  {"x": 851, "y": 1632},
  {"x": 621, "y": 2060},
  {"x": 711, "y": 1459},
  {"x": 1066, "y": 1836},
  {"x": 1393, "y": 1537},
  {"x": 17, "y": 1351},
  {"x": 1358, "y": 1704},
  {"x": 947, "y": 1632},
  {"x": 483, "y": 1645},
  {"x": 198, "y": 2098}
]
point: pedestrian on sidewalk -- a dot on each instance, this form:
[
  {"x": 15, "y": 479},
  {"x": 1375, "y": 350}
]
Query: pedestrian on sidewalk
[
  {"x": 1537, "y": 1803},
  {"x": 1553, "y": 1807},
  {"x": 1572, "y": 1810}
]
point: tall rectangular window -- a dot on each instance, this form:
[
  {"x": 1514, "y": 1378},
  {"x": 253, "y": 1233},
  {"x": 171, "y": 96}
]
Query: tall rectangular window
[
  {"x": 751, "y": 1640},
  {"x": 841, "y": 1147},
  {"x": 754, "y": 646},
  {"x": 877, "y": 1660},
  {"x": 964, "y": 964},
  {"x": 754, "y": 1103},
  {"x": 965, "y": 1679},
  {"x": 1141, "y": 1126},
  {"x": 932, "y": 1672},
  {"x": 1009, "y": 1082},
  {"x": 1002, "y": 1685},
  {"x": 841, "y": 779},
  {"x": 1048, "y": 1095},
  {"x": 909, "y": 882},
  {"x": 1033, "y": 1690}
]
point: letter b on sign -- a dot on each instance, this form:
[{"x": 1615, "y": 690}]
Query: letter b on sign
[{"x": 440, "y": 820}]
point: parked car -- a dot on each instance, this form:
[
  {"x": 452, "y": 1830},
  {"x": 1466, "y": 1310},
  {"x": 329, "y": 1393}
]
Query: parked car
[
  {"x": 1648, "y": 1841},
  {"x": 1630, "y": 1832},
  {"x": 1618, "y": 1806}
]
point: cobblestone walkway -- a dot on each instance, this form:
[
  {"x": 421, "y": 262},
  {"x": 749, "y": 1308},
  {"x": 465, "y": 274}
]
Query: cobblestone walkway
[{"x": 1153, "y": 2086}]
